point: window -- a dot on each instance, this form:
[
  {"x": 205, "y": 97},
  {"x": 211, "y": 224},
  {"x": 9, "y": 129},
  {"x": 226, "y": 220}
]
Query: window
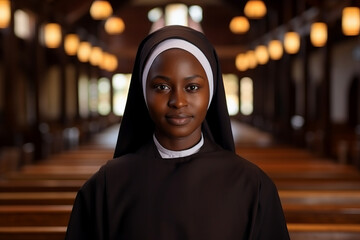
[
  {"x": 104, "y": 106},
  {"x": 231, "y": 85},
  {"x": 246, "y": 96},
  {"x": 121, "y": 84},
  {"x": 83, "y": 96}
]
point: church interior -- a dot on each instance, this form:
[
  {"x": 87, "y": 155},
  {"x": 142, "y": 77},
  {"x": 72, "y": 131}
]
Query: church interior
[{"x": 291, "y": 72}]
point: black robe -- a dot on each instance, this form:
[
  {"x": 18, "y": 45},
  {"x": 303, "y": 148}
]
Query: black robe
[{"x": 213, "y": 194}]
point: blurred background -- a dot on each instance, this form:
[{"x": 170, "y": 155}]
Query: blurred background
[
  {"x": 291, "y": 68},
  {"x": 291, "y": 72}
]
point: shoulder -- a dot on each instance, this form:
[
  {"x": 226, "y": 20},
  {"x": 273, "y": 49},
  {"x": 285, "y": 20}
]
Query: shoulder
[{"x": 233, "y": 162}]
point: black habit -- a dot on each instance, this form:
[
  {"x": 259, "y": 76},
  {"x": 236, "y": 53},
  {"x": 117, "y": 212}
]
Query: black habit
[{"x": 212, "y": 194}]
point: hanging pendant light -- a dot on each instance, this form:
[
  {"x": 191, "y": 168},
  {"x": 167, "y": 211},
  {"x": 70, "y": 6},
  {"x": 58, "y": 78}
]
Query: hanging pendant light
[
  {"x": 52, "y": 35},
  {"x": 100, "y": 9},
  {"x": 114, "y": 25},
  {"x": 5, "y": 13},
  {"x": 96, "y": 56},
  {"x": 275, "y": 49},
  {"x": 84, "y": 51},
  {"x": 109, "y": 62},
  {"x": 318, "y": 34},
  {"x": 241, "y": 62},
  {"x": 71, "y": 44},
  {"x": 255, "y": 9},
  {"x": 251, "y": 58},
  {"x": 261, "y": 54},
  {"x": 351, "y": 21},
  {"x": 292, "y": 42},
  {"x": 239, "y": 25}
]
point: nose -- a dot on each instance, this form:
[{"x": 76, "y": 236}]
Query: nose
[{"x": 177, "y": 99}]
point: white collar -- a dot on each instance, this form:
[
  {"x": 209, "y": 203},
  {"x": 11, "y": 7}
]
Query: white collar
[{"x": 166, "y": 153}]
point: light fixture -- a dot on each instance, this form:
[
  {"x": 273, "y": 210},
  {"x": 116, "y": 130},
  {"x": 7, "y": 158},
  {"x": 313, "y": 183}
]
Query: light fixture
[
  {"x": 96, "y": 56},
  {"x": 100, "y": 9},
  {"x": 262, "y": 54},
  {"x": 351, "y": 21},
  {"x": 318, "y": 34},
  {"x": 5, "y": 13},
  {"x": 52, "y": 35},
  {"x": 176, "y": 14},
  {"x": 71, "y": 44},
  {"x": 250, "y": 55},
  {"x": 255, "y": 9},
  {"x": 292, "y": 42},
  {"x": 275, "y": 49},
  {"x": 84, "y": 51},
  {"x": 241, "y": 62},
  {"x": 239, "y": 25},
  {"x": 109, "y": 62},
  {"x": 114, "y": 25}
]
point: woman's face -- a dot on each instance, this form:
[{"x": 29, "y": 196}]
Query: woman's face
[{"x": 177, "y": 93}]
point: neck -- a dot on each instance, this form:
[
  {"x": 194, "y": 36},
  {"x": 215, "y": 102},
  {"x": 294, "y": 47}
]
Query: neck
[
  {"x": 179, "y": 143},
  {"x": 170, "y": 154}
]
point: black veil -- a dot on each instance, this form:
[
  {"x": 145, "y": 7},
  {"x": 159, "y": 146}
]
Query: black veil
[{"x": 137, "y": 127}]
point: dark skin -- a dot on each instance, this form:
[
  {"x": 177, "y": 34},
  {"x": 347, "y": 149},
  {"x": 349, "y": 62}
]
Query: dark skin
[{"x": 177, "y": 93}]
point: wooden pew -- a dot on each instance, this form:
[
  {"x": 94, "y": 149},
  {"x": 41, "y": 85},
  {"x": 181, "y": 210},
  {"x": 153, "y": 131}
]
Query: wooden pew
[
  {"x": 331, "y": 231},
  {"x": 41, "y": 185},
  {"x": 34, "y": 215},
  {"x": 297, "y": 232},
  {"x": 33, "y": 233},
  {"x": 37, "y": 198}
]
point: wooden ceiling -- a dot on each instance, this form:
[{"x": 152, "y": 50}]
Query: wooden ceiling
[{"x": 73, "y": 15}]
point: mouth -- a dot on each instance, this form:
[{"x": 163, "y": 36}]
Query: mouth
[{"x": 178, "y": 119}]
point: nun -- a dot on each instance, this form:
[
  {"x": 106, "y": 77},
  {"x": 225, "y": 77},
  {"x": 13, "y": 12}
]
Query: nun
[{"x": 175, "y": 174}]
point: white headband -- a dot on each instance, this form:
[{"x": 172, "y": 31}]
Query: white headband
[{"x": 189, "y": 47}]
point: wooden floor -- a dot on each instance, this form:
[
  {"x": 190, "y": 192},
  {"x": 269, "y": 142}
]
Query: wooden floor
[{"x": 321, "y": 198}]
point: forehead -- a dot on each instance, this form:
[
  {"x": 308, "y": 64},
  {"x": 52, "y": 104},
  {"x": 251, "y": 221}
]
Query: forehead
[{"x": 176, "y": 57}]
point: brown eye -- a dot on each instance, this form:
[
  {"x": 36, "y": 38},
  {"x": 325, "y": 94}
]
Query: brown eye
[
  {"x": 192, "y": 88},
  {"x": 161, "y": 87}
]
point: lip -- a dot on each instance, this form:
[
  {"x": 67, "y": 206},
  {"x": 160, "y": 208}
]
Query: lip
[{"x": 178, "y": 119}]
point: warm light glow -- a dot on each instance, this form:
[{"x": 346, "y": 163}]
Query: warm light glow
[
  {"x": 292, "y": 42},
  {"x": 250, "y": 55},
  {"x": 275, "y": 49},
  {"x": 176, "y": 14},
  {"x": 114, "y": 25},
  {"x": 96, "y": 56},
  {"x": 351, "y": 21},
  {"x": 241, "y": 62},
  {"x": 109, "y": 62},
  {"x": 100, "y": 9},
  {"x": 255, "y": 9},
  {"x": 71, "y": 44},
  {"x": 84, "y": 51},
  {"x": 262, "y": 54},
  {"x": 52, "y": 35},
  {"x": 318, "y": 34},
  {"x": 5, "y": 13},
  {"x": 239, "y": 25}
]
